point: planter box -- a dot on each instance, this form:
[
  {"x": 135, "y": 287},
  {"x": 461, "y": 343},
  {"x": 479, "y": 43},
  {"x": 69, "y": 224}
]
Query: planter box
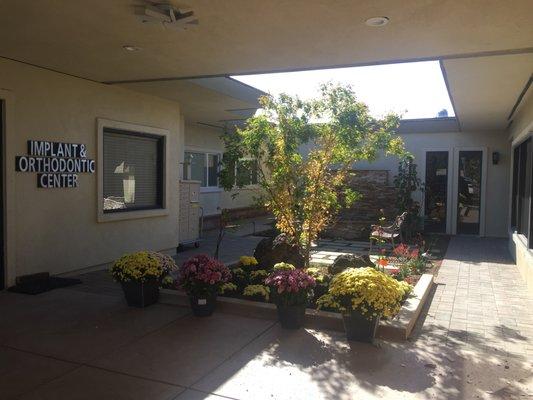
[{"x": 397, "y": 329}]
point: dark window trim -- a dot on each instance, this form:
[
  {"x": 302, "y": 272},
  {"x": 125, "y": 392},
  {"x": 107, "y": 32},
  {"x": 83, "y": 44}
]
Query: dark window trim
[
  {"x": 515, "y": 194},
  {"x": 161, "y": 144}
]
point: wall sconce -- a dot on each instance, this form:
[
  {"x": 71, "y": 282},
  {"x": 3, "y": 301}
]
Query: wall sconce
[{"x": 495, "y": 157}]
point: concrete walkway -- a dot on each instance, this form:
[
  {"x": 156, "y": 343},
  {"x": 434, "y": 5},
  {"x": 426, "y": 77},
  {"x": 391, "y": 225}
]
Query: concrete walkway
[{"x": 474, "y": 341}]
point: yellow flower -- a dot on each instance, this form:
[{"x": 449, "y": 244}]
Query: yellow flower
[
  {"x": 247, "y": 261},
  {"x": 139, "y": 266},
  {"x": 257, "y": 290},
  {"x": 283, "y": 266},
  {"x": 228, "y": 287},
  {"x": 367, "y": 290},
  {"x": 260, "y": 274}
]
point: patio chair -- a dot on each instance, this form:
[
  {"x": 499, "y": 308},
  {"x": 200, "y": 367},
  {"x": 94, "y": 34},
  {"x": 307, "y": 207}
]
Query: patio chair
[{"x": 387, "y": 233}]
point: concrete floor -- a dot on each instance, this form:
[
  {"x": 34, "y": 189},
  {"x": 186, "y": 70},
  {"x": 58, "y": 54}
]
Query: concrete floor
[{"x": 85, "y": 343}]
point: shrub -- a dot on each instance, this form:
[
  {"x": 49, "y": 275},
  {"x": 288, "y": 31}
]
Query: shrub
[
  {"x": 202, "y": 275},
  {"x": 139, "y": 267},
  {"x": 366, "y": 290},
  {"x": 257, "y": 292},
  {"x": 345, "y": 261},
  {"x": 290, "y": 287}
]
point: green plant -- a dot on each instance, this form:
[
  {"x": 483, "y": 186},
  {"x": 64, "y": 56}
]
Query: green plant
[
  {"x": 257, "y": 292},
  {"x": 305, "y": 192},
  {"x": 202, "y": 275},
  {"x": 291, "y": 287},
  {"x": 240, "y": 277},
  {"x": 366, "y": 290},
  {"x": 138, "y": 267},
  {"x": 228, "y": 288},
  {"x": 407, "y": 183},
  {"x": 258, "y": 276}
]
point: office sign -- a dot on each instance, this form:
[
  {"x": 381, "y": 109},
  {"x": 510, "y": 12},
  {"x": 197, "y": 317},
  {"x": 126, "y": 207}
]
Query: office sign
[{"x": 56, "y": 164}]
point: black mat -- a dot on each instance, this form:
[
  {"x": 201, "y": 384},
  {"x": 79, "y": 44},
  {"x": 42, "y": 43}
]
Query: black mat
[{"x": 43, "y": 285}]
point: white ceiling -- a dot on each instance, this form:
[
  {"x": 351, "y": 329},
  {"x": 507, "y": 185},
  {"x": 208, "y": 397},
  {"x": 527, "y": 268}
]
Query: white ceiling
[{"x": 85, "y": 38}]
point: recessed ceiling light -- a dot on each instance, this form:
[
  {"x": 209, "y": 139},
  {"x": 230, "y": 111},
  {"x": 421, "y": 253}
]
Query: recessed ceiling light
[
  {"x": 131, "y": 48},
  {"x": 377, "y": 21}
]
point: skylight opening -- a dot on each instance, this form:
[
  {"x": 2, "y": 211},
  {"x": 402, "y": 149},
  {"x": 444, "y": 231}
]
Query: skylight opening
[{"x": 414, "y": 90}]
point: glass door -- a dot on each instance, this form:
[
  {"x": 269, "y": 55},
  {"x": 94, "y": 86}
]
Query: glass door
[
  {"x": 436, "y": 191},
  {"x": 2, "y": 265},
  {"x": 469, "y": 192}
]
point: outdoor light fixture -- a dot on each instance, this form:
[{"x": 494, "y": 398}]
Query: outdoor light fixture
[
  {"x": 495, "y": 157},
  {"x": 377, "y": 21},
  {"x": 131, "y": 48},
  {"x": 161, "y": 13}
]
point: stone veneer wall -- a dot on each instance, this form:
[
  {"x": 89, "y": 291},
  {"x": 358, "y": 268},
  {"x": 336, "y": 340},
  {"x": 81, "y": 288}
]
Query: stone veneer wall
[{"x": 377, "y": 192}]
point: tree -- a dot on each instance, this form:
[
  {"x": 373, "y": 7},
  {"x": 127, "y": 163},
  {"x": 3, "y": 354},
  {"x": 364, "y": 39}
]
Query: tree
[{"x": 304, "y": 152}]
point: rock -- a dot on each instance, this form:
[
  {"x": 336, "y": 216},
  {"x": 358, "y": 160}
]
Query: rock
[
  {"x": 430, "y": 366},
  {"x": 349, "y": 261},
  {"x": 270, "y": 251}
]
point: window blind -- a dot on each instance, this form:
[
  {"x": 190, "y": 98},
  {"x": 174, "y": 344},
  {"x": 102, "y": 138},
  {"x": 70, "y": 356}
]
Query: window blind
[{"x": 133, "y": 169}]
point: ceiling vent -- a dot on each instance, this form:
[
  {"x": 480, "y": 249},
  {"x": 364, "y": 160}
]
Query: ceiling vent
[{"x": 167, "y": 15}]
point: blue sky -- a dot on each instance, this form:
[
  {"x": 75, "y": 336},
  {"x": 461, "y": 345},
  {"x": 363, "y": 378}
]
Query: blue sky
[{"x": 414, "y": 90}]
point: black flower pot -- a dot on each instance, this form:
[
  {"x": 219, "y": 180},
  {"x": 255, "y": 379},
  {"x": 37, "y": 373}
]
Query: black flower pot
[
  {"x": 291, "y": 317},
  {"x": 359, "y": 328},
  {"x": 203, "y": 306},
  {"x": 141, "y": 294}
]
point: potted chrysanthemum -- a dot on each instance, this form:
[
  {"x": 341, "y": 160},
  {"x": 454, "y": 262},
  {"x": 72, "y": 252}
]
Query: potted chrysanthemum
[
  {"x": 290, "y": 290},
  {"x": 140, "y": 276},
  {"x": 202, "y": 278},
  {"x": 363, "y": 296}
]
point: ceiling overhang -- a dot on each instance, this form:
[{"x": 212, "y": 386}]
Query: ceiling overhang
[
  {"x": 86, "y": 39},
  {"x": 212, "y": 101}
]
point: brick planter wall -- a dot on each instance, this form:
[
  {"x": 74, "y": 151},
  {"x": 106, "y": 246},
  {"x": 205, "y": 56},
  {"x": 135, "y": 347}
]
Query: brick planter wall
[{"x": 377, "y": 193}]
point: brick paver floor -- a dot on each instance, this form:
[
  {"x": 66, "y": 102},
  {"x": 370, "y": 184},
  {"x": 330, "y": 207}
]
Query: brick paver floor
[{"x": 481, "y": 300}]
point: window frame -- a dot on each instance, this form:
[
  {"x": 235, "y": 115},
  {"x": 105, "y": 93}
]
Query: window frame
[
  {"x": 206, "y": 153},
  {"x": 516, "y": 216},
  {"x": 163, "y": 181},
  {"x": 251, "y": 185}
]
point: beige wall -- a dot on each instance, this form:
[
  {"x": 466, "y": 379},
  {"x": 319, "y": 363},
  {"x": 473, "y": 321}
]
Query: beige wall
[
  {"x": 204, "y": 138},
  {"x": 520, "y": 129},
  {"x": 56, "y": 230},
  {"x": 497, "y": 182}
]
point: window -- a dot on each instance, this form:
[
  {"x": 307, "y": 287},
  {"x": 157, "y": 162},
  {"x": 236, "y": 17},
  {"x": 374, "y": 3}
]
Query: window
[
  {"x": 132, "y": 171},
  {"x": 246, "y": 172},
  {"x": 521, "y": 211},
  {"x": 202, "y": 167}
]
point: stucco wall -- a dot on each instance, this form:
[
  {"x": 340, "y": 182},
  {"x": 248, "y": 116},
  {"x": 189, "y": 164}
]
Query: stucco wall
[
  {"x": 204, "y": 138},
  {"x": 497, "y": 175},
  {"x": 56, "y": 230}
]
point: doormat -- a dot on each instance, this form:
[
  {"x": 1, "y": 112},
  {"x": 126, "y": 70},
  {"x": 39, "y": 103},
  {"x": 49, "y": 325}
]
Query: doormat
[{"x": 40, "y": 283}]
